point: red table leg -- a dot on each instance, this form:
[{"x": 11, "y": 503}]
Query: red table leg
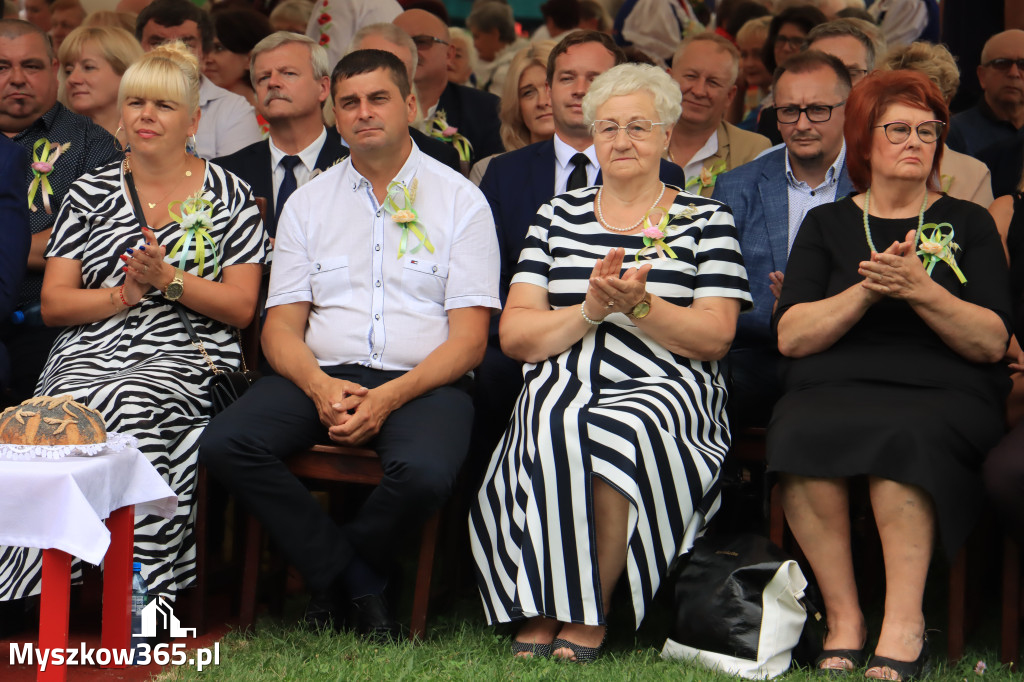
[
  {"x": 117, "y": 582},
  {"x": 53, "y": 610}
]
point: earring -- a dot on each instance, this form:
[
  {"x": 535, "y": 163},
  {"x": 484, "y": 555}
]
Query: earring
[
  {"x": 191, "y": 145},
  {"x": 117, "y": 143}
]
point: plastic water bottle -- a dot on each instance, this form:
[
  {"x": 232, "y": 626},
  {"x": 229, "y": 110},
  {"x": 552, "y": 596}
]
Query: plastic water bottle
[{"x": 140, "y": 597}]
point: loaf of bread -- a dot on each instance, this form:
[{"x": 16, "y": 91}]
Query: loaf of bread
[{"x": 46, "y": 420}]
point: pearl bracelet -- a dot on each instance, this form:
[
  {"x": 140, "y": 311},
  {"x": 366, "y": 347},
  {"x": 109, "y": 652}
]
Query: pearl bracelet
[{"x": 583, "y": 312}]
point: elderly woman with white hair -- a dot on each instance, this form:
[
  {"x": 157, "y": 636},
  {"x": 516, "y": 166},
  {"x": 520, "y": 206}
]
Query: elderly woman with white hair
[{"x": 626, "y": 297}]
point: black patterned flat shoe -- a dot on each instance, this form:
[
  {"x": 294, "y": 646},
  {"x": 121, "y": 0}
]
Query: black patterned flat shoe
[
  {"x": 536, "y": 650},
  {"x": 582, "y": 653}
]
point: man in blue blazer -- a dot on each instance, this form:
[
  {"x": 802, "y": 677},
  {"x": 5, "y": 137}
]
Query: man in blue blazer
[
  {"x": 15, "y": 237},
  {"x": 518, "y": 183},
  {"x": 769, "y": 198}
]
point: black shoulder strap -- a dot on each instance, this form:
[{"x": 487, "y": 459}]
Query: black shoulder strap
[{"x": 141, "y": 217}]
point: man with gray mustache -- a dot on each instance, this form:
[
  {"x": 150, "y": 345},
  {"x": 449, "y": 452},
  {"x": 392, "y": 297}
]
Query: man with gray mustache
[
  {"x": 769, "y": 198},
  {"x": 291, "y": 77}
]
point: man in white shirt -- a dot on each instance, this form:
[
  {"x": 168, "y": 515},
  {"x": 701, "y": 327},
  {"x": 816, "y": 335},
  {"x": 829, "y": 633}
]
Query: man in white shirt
[
  {"x": 385, "y": 277},
  {"x": 292, "y": 81},
  {"x": 227, "y": 122}
]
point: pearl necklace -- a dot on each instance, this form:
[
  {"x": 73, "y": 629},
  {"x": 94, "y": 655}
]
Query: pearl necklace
[
  {"x": 600, "y": 215},
  {"x": 917, "y": 232}
]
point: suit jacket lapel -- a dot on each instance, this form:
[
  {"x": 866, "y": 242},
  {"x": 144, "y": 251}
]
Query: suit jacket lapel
[{"x": 775, "y": 203}]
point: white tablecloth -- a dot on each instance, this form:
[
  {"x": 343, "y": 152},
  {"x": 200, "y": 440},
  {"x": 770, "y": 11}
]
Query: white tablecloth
[{"x": 61, "y": 504}]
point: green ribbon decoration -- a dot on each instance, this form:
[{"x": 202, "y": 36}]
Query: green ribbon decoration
[
  {"x": 656, "y": 243},
  {"x": 200, "y": 211},
  {"x": 940, "y": 248},
  {"x": 406, "y": 217},
  {"x": 707, "y": 177},
  {"x": 42, "y": 166},
  {"x": 439, "y": 126}
]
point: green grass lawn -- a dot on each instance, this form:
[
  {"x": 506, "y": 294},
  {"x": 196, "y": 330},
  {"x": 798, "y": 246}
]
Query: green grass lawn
[{"x": 461, "y": 647}]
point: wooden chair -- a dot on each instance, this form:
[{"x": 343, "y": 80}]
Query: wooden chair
[{"x": 338, "y": 464}]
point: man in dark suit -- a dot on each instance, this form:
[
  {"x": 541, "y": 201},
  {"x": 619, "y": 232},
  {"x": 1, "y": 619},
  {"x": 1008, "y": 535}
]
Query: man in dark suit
[
  {"x": 15, "y": 237},
  {"x": 769, "y": 198},
  {"x": 292, "y": 81},
  {"x": 518, "y": 183},
  {"x": 472, "y": 112}
]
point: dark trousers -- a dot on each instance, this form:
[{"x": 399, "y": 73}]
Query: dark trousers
[
  {"x": 1004, "y": 480},
  {"x": 28, "y": 347},
  {"x": 421, "y": 446}
]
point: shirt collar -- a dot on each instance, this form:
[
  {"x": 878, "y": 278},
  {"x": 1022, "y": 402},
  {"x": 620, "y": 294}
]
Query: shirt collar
[
  {"x": 831, "y": 175},
  {"x": 45, "y": 122},
  {"x": 354, "y": 180},
  {"x": 308, "y": 156},
  {"x": 564, "y": 153}
]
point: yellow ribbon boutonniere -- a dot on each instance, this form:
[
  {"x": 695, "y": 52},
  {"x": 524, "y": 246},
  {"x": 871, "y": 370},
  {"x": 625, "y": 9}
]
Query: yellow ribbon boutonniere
[
  {"x": 44, "y": 156},
  {"x": 934, "y": 246},
  {"x": 406, "y": 217},
  {"x": 440, "y": 130},
  {"x": 707, "y": 178},
  {"x": 654, "y": 234},
  {"x": 196, "y": 219}
]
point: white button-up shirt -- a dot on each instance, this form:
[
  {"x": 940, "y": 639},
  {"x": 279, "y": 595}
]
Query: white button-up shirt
[
  {"x": 303, "y": 171},
  {"x": 226, "y": 124},
  {"x": 339, "y": 249},
  {"x": 564, "y": 165},
  {"x": 803, "y": 197}
]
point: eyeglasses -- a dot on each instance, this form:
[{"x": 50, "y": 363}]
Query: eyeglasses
[
  {"x": 1004, "y": 64},
  {"x": 637, "y": 130},
  {"x": 816, "y": 113},
  {"x": 425, "y": 42},
  {"x": 898, "y": 132},
  {"x": 796, "y": 42}
]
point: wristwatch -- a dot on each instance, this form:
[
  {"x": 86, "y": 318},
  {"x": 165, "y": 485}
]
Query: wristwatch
[
  {"x": 176, "y": 288},
  {"x": 641, "y": 309}
]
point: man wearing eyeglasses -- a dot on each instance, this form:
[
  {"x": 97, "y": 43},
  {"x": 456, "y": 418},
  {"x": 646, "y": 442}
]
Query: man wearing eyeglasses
[
  {"x": 769, "y": 198},
  {"x": 993, "y": 130},
  {"x": 471, "y": 112}
]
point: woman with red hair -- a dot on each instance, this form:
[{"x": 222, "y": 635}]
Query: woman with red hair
[{"x": 896, "y": 312}]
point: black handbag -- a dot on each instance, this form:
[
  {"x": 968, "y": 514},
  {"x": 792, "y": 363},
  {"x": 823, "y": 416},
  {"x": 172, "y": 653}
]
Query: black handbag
[{"x": 226, "y": 387}]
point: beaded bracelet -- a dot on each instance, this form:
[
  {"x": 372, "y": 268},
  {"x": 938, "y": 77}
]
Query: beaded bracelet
[
  {"x": 120, "y": 292},
  {"x": 583, "y": 312}
]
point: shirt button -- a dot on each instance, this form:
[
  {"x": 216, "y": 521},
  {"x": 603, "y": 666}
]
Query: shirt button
[
  {"x": 377, "y": 283},
  {"x": 374, "y": 356},
  {"x": 812, "y": 193},
  {"x": 377, "y": 316},
  {"x": 318, "y": 266},
  {"x": 377, "y": 247},
  {"x": 433, "y": 269}
]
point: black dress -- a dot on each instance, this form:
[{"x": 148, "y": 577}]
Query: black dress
[{"x": 890, "y": 398}]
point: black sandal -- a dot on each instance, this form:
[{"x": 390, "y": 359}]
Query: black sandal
[
  {"x": 907, "y": 670},
  {"x": 538, "y": 650},
  {"x": 582, "y": 653},
  {"x": 854, "y": 656}
]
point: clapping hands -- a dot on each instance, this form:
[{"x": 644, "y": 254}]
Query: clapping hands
[{"x": 613, "y": 291}]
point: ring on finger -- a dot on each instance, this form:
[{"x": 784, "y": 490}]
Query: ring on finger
[{"x": 145, "y": 268}]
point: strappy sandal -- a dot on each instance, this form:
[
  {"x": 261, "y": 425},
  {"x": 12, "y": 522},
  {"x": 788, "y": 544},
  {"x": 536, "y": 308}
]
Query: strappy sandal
[
  {"x": 907, "y": 670},
  {"x": 855, "y": 657},
  {"x": 582, "y": 653},
  {"x": 537, "y": 650}
]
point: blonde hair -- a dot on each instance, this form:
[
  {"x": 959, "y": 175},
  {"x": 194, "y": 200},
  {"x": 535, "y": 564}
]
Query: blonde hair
[
  {"x": 292, "y": 11},
  {"x": 168, "y": 72},
  {"x": 125, "y": 20},
  {"x": 514, "y": 133},
  {"x": 934, "y": 61},
  {"x": 754, "y": 28},
  {"x": 117, "y": 46}
]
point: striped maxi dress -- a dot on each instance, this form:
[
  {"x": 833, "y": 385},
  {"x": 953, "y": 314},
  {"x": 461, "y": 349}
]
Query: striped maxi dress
[
  {"x": 138, "y": 367},
  {"x": 616, "y": 405}
]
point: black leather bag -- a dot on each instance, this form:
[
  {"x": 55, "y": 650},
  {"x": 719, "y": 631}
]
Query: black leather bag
[{"x": 226, "y": 387}]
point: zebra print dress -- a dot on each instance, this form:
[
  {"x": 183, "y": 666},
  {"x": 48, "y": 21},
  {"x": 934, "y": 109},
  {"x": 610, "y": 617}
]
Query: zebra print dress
[
  {"x": 616, "y": 405},
  {"x": 138, "y": 367}
]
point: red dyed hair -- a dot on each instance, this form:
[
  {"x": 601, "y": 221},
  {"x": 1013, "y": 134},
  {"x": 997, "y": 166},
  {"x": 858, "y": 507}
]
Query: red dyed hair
[{"x": 867, "y": 102}]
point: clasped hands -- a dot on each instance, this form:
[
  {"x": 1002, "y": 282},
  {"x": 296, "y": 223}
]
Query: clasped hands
[
  {"x": 353, "y": 414},
  {"x": 613, "y": 291},
  {"x": 145, "y": 268},
  {"x": 896, "y": 272}
]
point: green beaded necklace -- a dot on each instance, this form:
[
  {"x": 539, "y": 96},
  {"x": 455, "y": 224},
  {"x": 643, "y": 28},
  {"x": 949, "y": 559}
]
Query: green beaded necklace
[{"x": 917, "y": 232}]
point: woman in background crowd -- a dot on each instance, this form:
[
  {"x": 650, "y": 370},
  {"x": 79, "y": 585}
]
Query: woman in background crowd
[
  {"x": 786, "y": 36},
  {"x": 754, "y": 84},
  {"x": 237, "y": 30},
  {"x": 291, "y": 15},
  {"x": 525, "y": 103},
  {"x": 461, "y": 68},
  {"x": 92, "y": 62}
]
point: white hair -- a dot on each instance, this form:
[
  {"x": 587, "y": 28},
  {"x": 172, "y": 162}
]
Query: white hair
[{"x": 625, "y": 79}]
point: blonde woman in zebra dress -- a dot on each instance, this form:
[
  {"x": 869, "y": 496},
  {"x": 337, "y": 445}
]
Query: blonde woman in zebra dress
[
  {"x": 125, "y": 351},
  {"x": 615, "y": 445}
]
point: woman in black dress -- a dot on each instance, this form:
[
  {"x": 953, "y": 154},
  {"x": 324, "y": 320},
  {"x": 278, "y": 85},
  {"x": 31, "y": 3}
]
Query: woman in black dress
[{"x": 896, "y": 311}]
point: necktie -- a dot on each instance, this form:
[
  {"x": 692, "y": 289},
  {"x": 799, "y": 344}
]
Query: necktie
[
  {"x": 288, "y": 185},
  {"x": 578, "y": 177}
]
